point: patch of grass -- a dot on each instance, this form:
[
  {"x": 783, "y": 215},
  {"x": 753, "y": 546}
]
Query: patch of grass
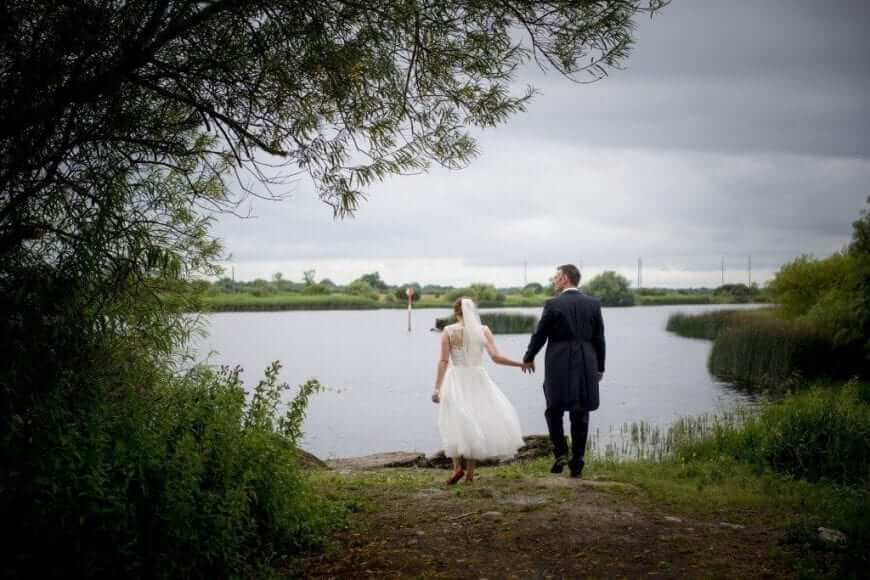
[{"x": 727, "y": 490}]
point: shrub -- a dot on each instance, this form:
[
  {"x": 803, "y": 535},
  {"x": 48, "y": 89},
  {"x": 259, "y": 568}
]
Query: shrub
[{"x": 184, "y": 478}]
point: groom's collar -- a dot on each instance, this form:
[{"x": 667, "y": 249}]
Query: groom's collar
[{"x": 569, "y": 289}]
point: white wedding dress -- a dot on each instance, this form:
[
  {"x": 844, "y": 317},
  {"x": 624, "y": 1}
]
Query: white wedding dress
[{"x": 476, "y": 420}]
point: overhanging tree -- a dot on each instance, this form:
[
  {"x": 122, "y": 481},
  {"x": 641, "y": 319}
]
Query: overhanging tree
[
  {"x": 124, "y": 124},
  {"x": 118, "y": 119}
]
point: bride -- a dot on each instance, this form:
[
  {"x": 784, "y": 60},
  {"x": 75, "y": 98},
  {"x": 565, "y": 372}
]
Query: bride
[{"x": 476, "y": 420}]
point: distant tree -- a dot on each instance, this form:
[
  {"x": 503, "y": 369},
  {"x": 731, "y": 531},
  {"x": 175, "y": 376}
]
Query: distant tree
[
  {"x": 309, "y": 277},
  {"x": 479, "y": 292},
  {"x": 374, "y": 280},
  {"x": 611, "y": 288},
  {"x": 315, "y": 289},
  {"x": 328, "y": 283},
  {"x": 533, "y": 288},
  {"x": 362, "y": 288},
  {"x": 739, "y": 293}
]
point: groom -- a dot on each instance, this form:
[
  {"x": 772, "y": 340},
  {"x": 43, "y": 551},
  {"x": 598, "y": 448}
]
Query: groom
[{"x": 573, "y": 329}]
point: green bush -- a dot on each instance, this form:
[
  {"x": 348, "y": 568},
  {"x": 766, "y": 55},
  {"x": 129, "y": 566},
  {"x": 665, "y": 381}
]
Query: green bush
[
  {"x": 183, "y": 478},
  {"x": 817, "y": 434}
]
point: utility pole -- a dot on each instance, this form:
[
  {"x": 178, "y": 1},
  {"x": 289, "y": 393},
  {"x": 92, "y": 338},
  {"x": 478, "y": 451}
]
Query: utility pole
[
  {"x": 525, "y": 273},
  {"x": 749, "y": 272},
  {"x": 723, "y": 270},
  {"x": 639, "y": 273},
  {"x": 234, "y": 273}
]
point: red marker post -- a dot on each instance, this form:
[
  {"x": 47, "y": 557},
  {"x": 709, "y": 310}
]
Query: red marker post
[{"x": 409, "y": 292}]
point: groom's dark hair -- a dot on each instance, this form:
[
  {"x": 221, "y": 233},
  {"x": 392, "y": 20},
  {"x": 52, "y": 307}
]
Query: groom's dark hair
[{"x": 572, "y": 272}]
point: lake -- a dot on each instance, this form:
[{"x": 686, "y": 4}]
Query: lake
[{"x": 379, "y": 376}]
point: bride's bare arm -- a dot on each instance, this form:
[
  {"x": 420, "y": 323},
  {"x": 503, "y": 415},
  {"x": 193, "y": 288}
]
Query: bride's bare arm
[
  {"x": 442, "y": 367},
  {"x": 494, "y": 354}
]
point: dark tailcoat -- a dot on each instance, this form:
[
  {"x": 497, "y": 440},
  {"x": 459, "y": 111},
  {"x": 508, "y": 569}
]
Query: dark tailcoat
[{"x": 573, "y": 329}]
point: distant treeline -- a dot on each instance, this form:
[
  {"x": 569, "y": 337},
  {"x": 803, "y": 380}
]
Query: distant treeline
[{"x": 371, "y": 291}]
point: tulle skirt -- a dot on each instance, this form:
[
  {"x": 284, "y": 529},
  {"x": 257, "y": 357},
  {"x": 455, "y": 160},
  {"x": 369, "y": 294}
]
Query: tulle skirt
[{"x": 476, "y": 420}]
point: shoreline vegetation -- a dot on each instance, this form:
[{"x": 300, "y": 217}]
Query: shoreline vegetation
[{"x": 370, "y": 293}]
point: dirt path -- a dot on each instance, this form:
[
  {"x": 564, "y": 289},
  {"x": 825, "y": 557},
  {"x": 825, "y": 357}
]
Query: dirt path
[{"x": 543, "y": 526}]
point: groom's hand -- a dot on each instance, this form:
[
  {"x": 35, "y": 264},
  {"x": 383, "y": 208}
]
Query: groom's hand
[
  {"x": 529, "y": 367},
  {"x": 600, "y": 377}
]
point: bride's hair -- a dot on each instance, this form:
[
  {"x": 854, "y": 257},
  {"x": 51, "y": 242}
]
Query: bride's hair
[{"x": 457, "y": 306}]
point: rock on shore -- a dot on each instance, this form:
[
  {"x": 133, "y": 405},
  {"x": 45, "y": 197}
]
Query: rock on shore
[{"x": 535, "y": 446}]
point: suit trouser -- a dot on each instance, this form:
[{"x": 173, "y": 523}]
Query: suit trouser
[{"x": 579, "y": 431}]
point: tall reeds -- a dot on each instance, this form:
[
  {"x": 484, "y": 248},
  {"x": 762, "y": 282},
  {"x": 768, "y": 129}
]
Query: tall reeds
[
  {"x": 706, "y": 325},
  {"x": 772, "y": 353},
  {"x": 499, "y": 322}
]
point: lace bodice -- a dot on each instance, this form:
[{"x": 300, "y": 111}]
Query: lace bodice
[{"x": 458, "y": 355}]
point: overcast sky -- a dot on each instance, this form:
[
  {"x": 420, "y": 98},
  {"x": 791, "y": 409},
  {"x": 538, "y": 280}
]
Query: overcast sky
[{"x": 737, "y": 128}]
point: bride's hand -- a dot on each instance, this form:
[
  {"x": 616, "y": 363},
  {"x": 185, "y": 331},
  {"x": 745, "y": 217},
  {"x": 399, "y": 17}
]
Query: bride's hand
[{"x": 436, "y": 396}]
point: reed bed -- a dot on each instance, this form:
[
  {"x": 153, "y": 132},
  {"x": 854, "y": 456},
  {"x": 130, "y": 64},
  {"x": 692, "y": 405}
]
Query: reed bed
[
  {"x": 499, "y": 322},
  {"x": 706, "y": 325},
  {"x": 645, "y": 441},
  {"x": 771, "y": 353}
]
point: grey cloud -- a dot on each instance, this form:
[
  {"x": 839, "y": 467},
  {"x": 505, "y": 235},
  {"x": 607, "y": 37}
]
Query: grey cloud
[{"x": 737, "y": 128}]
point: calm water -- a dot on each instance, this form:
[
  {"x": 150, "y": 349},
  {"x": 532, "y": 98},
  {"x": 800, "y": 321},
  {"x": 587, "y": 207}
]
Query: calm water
[{"x": 379, "y": 377}]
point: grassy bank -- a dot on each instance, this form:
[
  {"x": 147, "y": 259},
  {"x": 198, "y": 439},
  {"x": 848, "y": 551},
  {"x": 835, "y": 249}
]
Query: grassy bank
[
  {"x": 759, "y": 485},
  {"x": 276, "y": 301}
]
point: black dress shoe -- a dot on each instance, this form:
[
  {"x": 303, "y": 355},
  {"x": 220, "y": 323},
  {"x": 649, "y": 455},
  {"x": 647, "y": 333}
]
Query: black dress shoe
[
  {"x": 576, "y": 468},
  {"x": 559, "y": 465}
]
